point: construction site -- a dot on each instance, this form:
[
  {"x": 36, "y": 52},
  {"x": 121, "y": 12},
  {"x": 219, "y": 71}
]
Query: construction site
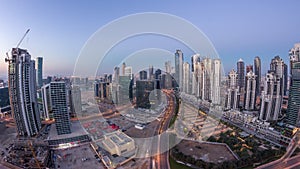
[{"x": 28, "y": 154}]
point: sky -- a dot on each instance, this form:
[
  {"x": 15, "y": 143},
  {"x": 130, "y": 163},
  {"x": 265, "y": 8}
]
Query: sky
[{"x": 237, "y": 29}]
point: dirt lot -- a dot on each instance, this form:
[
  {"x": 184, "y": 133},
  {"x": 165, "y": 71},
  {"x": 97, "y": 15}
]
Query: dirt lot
[
  {"x": 205, "y": 151},
  {"x": 78, "y": 157}
]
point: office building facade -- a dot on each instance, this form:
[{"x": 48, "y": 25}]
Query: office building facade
[{"x": 59, "y": 106}]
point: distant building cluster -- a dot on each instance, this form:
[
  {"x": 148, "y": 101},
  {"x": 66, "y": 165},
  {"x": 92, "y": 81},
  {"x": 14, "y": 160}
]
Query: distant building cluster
[{"x": 249, "y": 91}]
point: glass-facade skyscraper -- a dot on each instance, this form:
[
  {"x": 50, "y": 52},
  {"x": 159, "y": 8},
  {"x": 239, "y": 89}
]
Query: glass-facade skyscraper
[
  {"x": 241, "y": 74},
  {"x": 294, "y": 92},
  {"x": 179, "y": 68},
  {"x": 59, "y": 106},
  {"x": 39, "y": 71}
]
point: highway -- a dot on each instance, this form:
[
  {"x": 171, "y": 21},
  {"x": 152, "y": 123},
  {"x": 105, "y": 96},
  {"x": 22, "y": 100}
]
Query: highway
[
  {"x": 160, "y": 160},
  {"x": 285, "y": 161}
]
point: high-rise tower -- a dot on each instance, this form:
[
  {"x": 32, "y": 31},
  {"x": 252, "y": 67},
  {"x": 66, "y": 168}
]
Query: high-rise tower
[
  {"x": 39, "y": 71},
  {"x": 59, "y": 106},
  {"x": 241, "y": 74},
  {"x": 257, "y": 72},
  {"x": 179, "y": 68},
  {"x": 186, "y": 77},
  {"x": 250, "y": 89},
  {"x": 22, "y": 91},
  {"x": 271, "y": 97},
  {"x": 294, "y": 91},
  {"x": 233, "y": 95}
]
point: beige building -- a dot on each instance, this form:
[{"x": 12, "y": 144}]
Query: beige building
[{"x": 118, "y": 143}]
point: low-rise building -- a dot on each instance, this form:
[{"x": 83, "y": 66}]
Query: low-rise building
[{"x": 118, "y": 143}]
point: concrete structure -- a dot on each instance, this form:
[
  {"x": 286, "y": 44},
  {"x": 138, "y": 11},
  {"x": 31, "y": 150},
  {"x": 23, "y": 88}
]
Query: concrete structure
[
  {"x": 233, "y": 95},
  {"x": 58, "y": 95},
  {"x": 271, "y": 97},
  {"x": 22, "y": 91},
  {"x": 250, "y": 91},
  {"x": 118, "y": 143},
  {"x": 39, "y": 72}
]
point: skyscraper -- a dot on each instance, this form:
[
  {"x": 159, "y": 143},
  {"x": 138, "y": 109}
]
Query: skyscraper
[
  {"x": 123, "y": 68},
  {"x": 75, "y": 99},
  {"x": 58, "y": 95},
  {"x": 257, "y": 72},
  {"x": 168, "y": 67},
  {"x": 195, "y": 58},
  {"x": 143, "y": 75},
  {"x": 207, "y": 79},
  {"x": 233, "y": 96},
  {"x": 46, "y": 98},
  {"x": 285, "y": 79},
  {"x": 294, "y": 91},
  {"x": 186, "y": 77},
  {"x": 151, "y": 73},
  {"x": 249, "y": 68},
  {"x": 158, "y": 74},
  {"x": 116, "y": 75},
  {"x": 22, "y": 91},
  {"x": 250, "y": 89},
  {"x": 143, "y": 90},
  {"x": 179, "y": 68},
  {"x": 39, "y": 72},
  {"x": 241, "y": 75},
  {"x": 294, "y": 55},
  {"x": 271, "y": 97},
  {"x": 280, "y": 68},
  {"x": 294, "y": 96},
  {"x": 216, "y": 83},
  {"x": 128, "y": 71}
]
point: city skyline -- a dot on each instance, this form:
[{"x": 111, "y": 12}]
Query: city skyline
[{"x": 260, "y": 29}]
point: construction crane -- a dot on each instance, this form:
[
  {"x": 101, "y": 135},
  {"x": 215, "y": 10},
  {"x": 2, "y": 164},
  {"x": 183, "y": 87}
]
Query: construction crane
[
  {"x": 22, "y": 38},
  {"x": 19, "y": 43}
]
